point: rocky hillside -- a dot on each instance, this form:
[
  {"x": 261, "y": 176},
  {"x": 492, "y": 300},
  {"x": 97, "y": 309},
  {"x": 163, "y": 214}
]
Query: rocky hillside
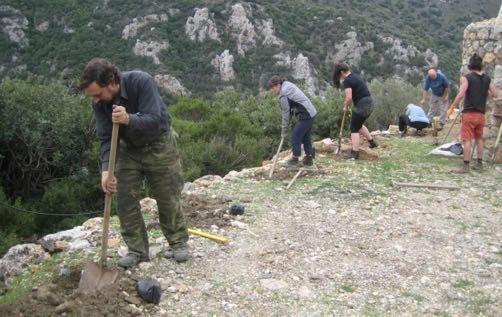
[{"x": 199, "y": 47}]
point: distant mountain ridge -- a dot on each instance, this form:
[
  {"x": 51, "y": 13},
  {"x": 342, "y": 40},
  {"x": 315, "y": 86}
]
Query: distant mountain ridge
[{"x": 200, "y": 47}]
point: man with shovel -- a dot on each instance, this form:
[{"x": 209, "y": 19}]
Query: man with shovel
[
  {"x": 147, "y": 150},
  {"x": 294, "y": 102}
]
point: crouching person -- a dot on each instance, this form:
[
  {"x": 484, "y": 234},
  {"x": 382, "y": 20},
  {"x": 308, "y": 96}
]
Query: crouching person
[
  {"x": 414, "y": 117},
  {"x": 294, "y": 102},
  {"x": 147, "y": 150}
]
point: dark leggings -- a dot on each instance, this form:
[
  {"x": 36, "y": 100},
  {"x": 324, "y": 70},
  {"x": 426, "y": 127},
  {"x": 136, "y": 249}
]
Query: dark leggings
[
  {"x": 404, "y": 122},
  {"x": 302, "y": 135}
]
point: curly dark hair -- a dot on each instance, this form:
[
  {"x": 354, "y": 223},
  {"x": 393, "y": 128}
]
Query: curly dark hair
[
  {"x": 274, "y": 80},
  {"x": 475, "y": 62},
  {"x": 101, "y": 71},
  {"x": 339, "y": 68}
]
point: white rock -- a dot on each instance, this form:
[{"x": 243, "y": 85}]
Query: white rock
[
  {"x": 273, "y": 284},
  {"x": 150, "y": 49},
  {"x": 171, "y": 84},
  {"x": 238, "y": 224},
  {"x": 16, "y": 260},
  {"x": 14, "y": 24},
  {"x": 201, "y": 26},
  {"x": 131, "y": 30},
  {"x": 223, "y": 64},
  {"x": 241, "y": 29}
]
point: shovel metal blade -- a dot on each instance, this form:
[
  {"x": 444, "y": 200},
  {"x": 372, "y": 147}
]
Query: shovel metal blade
[{"x": 95, "y": 277}]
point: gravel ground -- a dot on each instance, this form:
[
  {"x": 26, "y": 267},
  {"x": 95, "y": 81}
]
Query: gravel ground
[
  {"x": 340, "y": 242},
  {"x": 347, "y": 243}
]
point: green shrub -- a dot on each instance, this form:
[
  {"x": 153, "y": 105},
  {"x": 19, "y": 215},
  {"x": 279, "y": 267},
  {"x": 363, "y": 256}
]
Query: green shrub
[{"x": 391, "y": 97}]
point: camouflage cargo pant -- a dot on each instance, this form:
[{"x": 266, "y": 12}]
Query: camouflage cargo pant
[
  {"x": 437, "y": 108},
  {"x": 160, "y": 165}
]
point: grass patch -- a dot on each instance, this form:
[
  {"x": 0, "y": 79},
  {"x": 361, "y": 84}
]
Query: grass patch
[
  {"x": 463, "y": 284},
  {"x": 348, "y": 288}
]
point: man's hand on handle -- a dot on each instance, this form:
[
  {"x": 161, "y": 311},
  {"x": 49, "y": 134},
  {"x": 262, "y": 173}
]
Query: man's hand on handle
[
  {"x": 108, "y": 186},
  {"x": 120, "y": 115}
]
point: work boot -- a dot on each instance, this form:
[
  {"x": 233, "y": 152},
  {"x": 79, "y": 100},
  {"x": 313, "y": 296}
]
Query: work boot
[
  {"x": 307, "y": 160},
  {"x": 181, "y": 253},
  {"x": 373, "y": 143},
  {"x": 130, "y": 259},
  {"x": 293, "y": 161},
  {"x": 461, "y": 170},
  {"x": 354, "y": 155},
  {"x": 478, "y": 166}
]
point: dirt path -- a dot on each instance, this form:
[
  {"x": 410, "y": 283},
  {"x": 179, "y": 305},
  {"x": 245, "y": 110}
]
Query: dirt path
[{"x": 349, "y": 244}]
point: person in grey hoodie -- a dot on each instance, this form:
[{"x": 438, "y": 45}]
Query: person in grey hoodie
[{"x": 294, "y": 102}]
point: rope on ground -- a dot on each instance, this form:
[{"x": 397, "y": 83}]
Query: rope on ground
[{"x": 51, "y": 214}]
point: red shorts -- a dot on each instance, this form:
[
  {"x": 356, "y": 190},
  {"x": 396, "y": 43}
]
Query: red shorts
[{"x": 473, "y": 124}]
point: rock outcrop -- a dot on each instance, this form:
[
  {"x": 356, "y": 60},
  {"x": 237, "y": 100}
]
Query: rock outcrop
[
  {"x": 266, "y": 30},
  {"x": 131, "y": 30},
  {"x": 242, "y": 29},
  {"x": 350, "y": 50},
  {"x": 14, "y": 24},
  {"x": 301, "y": 70},
  {"x": 150, "y": 49},
  {"x": 223, "y": 64},
  {"x": 171, "y": 84},
  {"x": 201, "y": 26}
]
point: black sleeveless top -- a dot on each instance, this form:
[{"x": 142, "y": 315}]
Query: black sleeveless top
[{"x": 477, "y": 92}]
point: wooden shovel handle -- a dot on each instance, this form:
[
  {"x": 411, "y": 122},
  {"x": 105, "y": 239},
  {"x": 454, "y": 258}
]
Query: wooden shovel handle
[
  {"x": 108, "y": 197},
  {"x": 276, "y": 158}
]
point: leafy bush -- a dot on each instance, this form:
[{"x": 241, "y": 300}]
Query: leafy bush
[
  {"x": 45, "y": 134},
  {"x": 391, "y": 97},
  {"x": 48, "y": 158}
]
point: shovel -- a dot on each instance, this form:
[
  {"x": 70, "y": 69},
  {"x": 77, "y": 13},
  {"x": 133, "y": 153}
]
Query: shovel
[
  {"x": 338, "y": 149},
  {"x": 276, "y": 158},
  {"x": 96, "y": 276}
]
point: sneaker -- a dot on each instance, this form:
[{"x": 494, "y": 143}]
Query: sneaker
[
  {"x": 373, "y": 144},
  {"x": 307, "y": 160},
  {"x": 402, "y": 134},
  {"x": 293, "y": 161},
  {"x": 130, "y": 259},
  {"x": 181, "y": 253}
]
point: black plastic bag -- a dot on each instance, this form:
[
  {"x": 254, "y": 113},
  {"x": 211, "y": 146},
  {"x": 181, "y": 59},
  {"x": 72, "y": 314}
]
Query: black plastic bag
[{"x": 149, "y": 290}]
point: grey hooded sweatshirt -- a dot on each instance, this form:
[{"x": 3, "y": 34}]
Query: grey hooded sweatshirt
[{"x": 294, "y": 102}]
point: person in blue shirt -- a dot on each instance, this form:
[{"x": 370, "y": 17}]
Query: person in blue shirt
[
  {"x": 438, "y": 83},
  {"x": 414, "y": 117}
]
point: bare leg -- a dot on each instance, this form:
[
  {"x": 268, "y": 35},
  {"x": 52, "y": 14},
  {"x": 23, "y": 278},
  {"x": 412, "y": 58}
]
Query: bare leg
[
  {"x": 355, "y": 141},
  {"x": 467, "y": 150},
  {"x": 479, "y": 145},
  {"x": 365, "y": 133}
]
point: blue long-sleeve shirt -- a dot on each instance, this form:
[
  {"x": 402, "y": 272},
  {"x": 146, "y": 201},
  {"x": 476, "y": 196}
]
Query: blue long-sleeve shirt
[
  {"x": 437, "y": 85},
  {"x": 148, "y": 118}
]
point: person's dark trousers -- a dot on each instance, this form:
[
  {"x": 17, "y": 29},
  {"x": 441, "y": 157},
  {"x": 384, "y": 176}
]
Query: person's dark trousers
[
  {"x": 302, "y": 135},
  {"x": 404, "y": 122}
]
